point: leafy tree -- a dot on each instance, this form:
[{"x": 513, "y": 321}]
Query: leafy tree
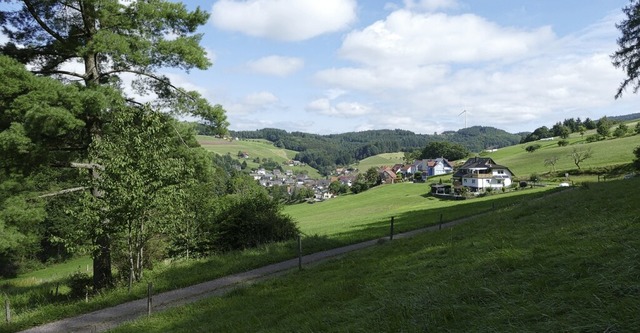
[
  {"x": 561, "y": 130},
  {"x": 636, "y": 162},
  {"x": 144, "y": 178},
  {"x": 338, "y": 188},
  {"x": 448, "y": 150},
  {"x": 372, "y": 176},
  {"x": 589, "y": 124},
  {"x": 627, "y": 56},
  {"x": 637, "y": 128},
  {"x": 111, "y": 38},
  {"x": 621, "y": 130},
  {"x": 580, "y": 155},
  {"x": 360, "y": 184},
  {"x": 563, "y": 143},
  {"x": 603, "y": 127},
  {"x": 581, "y": 130}
]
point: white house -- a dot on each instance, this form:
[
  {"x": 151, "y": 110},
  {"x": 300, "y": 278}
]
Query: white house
[
  {"x": 434, "y": 167},
  {"x": 480, "y": 173}
]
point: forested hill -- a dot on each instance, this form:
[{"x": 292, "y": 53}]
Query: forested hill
[{"x": 323, "y": 152}]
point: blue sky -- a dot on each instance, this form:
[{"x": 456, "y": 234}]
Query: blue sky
[{"x": 335, "y": 66}]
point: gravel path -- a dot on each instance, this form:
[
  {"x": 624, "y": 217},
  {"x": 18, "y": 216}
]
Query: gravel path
[{"x": 105, "y": 319}]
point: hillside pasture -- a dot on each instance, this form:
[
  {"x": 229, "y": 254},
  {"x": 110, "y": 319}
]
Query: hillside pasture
[
  {"x": 605, "y": 154},
  {"x": 380, "y": 160},
  {"x": 255, "y": 148}
]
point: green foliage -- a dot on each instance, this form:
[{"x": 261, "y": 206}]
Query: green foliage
[
  {"x": 80, "y": 285},
  {"x": 532, "y": 148},
  {"x": 563, "y": 143},
  {"x": 637, "y": 128},
  {"x": 337, "y": 188},
  {"x": 249, "y": 221},
  {"x": 603, "y": 127},
  {"x": 450, "y": 151},
  {"x": 636, "y": 161},
  {"x": 626, "y": 56},
  {"x": 621, "y": 130}
]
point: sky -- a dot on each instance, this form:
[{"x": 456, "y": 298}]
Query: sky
[{"x": 428, "y": 66}]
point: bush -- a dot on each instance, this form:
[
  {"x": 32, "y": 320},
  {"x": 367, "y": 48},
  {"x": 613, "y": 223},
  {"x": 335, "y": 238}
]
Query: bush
[
  {"x": 532, "y": 148},
  {"x": 563, "y": 143},
  {"x": 80, "y": 284},
  {"x": 636, "y": 162},
  {"x": 593, "y": 138},
  {"x": 249, "y": 221}
]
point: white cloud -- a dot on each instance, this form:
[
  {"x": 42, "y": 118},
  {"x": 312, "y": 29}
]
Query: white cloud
[
  {"x": 251, "y": 103},
  {"x": 408, "y": 38},
  {"x": 422, "y": 70},
  {"x": 343, "y": 109},
  {"x": 284, "y": 20},
  {"x": 431, "y": 5},
  {"x": 276, "y": 65}
]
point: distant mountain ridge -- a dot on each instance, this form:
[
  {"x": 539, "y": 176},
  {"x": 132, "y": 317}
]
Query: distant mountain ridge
[{"x": 324, "y": 152}]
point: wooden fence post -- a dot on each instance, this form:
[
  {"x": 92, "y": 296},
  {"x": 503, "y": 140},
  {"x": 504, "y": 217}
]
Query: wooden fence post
[
  {"x": 149, "y": 298},
  {"x": 391, "y": 229},
  {"x": 7, "y": 310},
  {"x": 299, "y": 252}
]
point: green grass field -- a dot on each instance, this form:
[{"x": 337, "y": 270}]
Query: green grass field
[
  {"x": 387, "y": 159},
  {"x": 564, "y": 263}
]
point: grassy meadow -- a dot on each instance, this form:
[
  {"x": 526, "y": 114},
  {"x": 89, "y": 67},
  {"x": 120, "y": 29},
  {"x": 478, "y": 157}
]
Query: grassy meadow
[
  {"x": 563, "y": 263},
  {"x": 255, "y": 148}
]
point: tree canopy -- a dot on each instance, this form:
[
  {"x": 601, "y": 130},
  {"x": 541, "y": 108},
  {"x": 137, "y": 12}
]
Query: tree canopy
[{"x": 627, "y": 56}]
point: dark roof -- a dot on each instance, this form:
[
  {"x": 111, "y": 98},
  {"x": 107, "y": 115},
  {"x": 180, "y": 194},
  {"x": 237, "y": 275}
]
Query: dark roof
[{"x": 479, "y": 163}]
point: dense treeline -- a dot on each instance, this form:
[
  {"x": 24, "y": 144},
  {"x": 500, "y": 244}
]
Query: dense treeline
[{"x": 324, "y": 152}]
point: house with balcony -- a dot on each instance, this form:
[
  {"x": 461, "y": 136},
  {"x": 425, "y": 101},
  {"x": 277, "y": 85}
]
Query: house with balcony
[{"x": 481, "y": 173}]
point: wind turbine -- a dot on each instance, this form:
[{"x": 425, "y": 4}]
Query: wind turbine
[{"x": 465, "y": 117}]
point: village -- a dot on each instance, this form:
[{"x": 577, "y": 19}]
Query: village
[{"x": 476, "y": 175}]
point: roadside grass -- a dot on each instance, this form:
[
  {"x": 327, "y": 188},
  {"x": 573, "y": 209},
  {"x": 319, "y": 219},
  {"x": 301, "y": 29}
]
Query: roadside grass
[
  {"x": 564, "y": 263},
  {"x": 255, "y": 148}
]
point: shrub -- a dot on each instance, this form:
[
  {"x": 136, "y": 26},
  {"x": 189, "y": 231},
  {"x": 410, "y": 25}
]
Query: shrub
[
  {"x": 532, "y": 148},
  {"x": 80, "y": 284},
  {"x": 593, "y": 138},
  {"x": 249, "y": 221},
  {"x": 636, "y": 162},
  {"x": 563, "y": 143}
]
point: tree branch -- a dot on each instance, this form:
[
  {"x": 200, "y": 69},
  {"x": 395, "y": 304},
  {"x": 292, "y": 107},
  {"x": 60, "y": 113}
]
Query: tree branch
[
  {"x": 90, "y": 166},
  {"x": 42, "y": 24},
  {"x": 57, "y": 71},
  {"x": 69, "y": 190}
]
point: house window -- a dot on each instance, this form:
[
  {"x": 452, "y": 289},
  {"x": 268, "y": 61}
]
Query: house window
[
  {"x": 501, "y": 172},
  {"x": 499, "y": 181},
  {"x": 473, "y": 181}
]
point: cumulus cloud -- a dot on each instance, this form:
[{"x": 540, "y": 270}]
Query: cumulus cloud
[
  {"x": 432, "y": 66},
  {"x": 284, "y": 20},
  {"x": 251, "y": 103},
  {"x": 409, "y": 38},
  {"x": 431, "y": 5},
  {"x": 276, "y": 65},
  {"x": 342, "y": 109}
]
